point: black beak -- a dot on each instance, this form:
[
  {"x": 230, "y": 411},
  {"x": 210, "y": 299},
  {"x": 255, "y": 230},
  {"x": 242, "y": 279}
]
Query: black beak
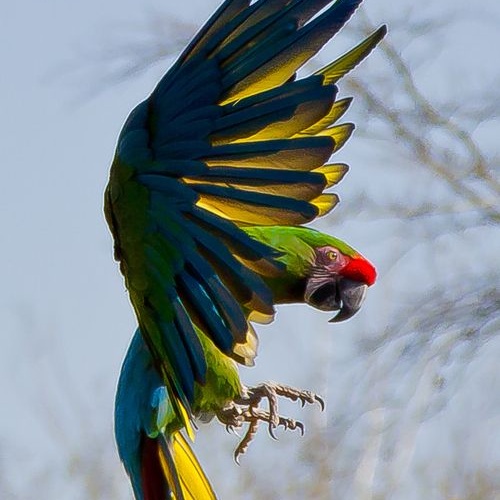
[
  {"x": 352, "y": 294},
  {"x": 340, "y": 294}
]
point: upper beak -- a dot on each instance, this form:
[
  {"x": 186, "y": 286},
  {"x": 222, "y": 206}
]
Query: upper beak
[
  {"x": 352, "y": 294},
  {"x": 340, "y": 294}
]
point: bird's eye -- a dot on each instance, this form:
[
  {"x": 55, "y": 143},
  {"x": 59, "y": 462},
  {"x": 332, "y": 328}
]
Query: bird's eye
[{"x": 331, "y": 255}]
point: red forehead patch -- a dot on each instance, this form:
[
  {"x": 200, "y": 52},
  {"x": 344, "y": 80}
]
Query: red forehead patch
[{"x": 359, "y": 269}]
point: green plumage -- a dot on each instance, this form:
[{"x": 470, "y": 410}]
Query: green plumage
[
  {"x": 212, "y": 173},
  {"x": 228, "y": 138},
  {"x": 297, "y": 248}
]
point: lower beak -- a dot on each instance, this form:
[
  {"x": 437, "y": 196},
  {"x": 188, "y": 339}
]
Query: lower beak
[
  {"x": 340, "y": 294},
  {"x": 352, "y": 294}
]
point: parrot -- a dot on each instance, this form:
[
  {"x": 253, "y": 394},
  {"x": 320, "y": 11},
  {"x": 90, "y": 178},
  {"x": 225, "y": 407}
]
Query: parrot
[
  {"x": 213, "y": 175},
  {"x": 320, "y": 270}
]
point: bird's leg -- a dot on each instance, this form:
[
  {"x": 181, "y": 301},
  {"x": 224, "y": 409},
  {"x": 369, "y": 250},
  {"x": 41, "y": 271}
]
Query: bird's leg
[{"x": 246, "y": 410}]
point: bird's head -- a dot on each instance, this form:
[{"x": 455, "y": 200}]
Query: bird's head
[
  {"x": 320, "y": 270},
  {"x": 338, "y": 279}
]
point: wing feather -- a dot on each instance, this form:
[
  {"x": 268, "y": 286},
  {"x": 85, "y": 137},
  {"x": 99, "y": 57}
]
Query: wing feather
[{"x": 229, "y": 137}]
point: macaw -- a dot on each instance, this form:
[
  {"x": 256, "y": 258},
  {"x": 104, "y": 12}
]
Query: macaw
[
  {"x": 229, "y": 139},
  {"x": 319, "y": 270}
]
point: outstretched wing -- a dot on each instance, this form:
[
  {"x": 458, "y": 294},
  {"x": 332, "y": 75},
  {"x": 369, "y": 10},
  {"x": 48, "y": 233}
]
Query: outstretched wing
[{"x": 228, "y": 138}]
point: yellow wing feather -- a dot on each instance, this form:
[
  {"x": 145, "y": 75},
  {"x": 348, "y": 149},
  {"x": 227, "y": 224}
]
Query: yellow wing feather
[{"x": 341, "y": 66}]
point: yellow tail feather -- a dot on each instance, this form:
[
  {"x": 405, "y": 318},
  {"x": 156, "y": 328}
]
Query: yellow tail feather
[{"x": 183, "y": 472}]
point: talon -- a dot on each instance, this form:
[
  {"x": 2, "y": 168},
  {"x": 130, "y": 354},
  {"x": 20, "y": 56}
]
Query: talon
[
  {"x": 246, "y": 410},
  {"x": 271, "y": 432},
  {"x": 320, "y": 401},
  {"x": 236, "y": 456},
  {"x": 300, "y": 425}
]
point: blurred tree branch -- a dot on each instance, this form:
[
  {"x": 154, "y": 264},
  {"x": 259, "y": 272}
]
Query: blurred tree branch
[{"x": 469, "y": 175}]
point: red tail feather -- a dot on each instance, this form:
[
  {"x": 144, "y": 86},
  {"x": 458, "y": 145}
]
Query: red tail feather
[{"x": 153, "y": 479}]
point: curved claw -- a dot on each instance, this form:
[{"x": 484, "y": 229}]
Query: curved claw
[
  {"x": 320, "y": 401},
  {"x": 271, "y": 429},
  {"x": 300, "y": 425},
  {"x": 246, "y": 410}
]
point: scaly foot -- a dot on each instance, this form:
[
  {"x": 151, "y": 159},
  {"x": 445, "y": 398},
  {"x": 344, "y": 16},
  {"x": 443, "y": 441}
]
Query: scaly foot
[{"x": 246, "y": 410}]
